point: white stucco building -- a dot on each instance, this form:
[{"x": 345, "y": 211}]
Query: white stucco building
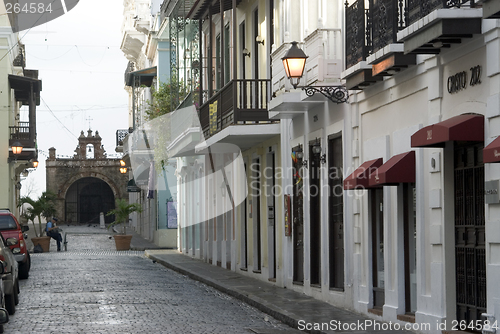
[
  {"x": 20, "y": 87},
  {"x": 424, "y": 104},
  {"x": 144, "y": 148}
]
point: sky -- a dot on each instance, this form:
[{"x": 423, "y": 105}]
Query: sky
[{"x": 82, "y": 70}]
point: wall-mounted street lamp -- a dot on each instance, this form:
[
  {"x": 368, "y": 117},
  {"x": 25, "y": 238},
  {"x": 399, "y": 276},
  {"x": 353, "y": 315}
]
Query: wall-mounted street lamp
[
  {"x": 259, "y": 39},
  {"x": 316, "y": 150},
  {"x": 123, "y": 167},
  {"x": 299, "y": 155},
  {"x": 34, "y": 163},
  {"x": 294, "y": 62},
  {"x": 246, "y": 53},
  {"x": 16, "y": 148}
]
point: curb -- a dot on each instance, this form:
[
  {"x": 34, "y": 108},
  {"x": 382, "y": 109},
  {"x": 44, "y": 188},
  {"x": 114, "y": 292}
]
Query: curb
[{"x": 256, "y": 302}]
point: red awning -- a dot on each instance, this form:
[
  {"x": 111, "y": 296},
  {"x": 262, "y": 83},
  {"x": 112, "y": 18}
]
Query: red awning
[
  {"x": 398, "y": 169},
  {"x": 491, "y": 153},
  {"x": 359, "y": 178},
  {"x": 459, "y": 128}
]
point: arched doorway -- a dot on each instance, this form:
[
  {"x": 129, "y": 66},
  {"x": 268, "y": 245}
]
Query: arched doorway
[{"x": 86, "y": 199}]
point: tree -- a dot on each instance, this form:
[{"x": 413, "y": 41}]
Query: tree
[
  {"x": 122, "y": 211},
  {"x": 165, "y": 99},
  {"x": 44, "y": 206}
]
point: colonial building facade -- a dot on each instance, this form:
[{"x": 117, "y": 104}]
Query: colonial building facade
[
  {"x": 383, "y": 167},
  {"x": 144, "y": 148},
  {"x": 87, "y": 184},
  {"x": 424, "y": 104},
  {"x": 19, "y": 87}
]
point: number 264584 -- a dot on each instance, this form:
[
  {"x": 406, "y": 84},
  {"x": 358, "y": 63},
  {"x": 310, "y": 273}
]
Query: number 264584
[{"x": 28, "y": 8}]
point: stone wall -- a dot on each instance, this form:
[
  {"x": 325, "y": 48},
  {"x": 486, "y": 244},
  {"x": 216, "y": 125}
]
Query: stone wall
[{"x": 62, "y": 173}]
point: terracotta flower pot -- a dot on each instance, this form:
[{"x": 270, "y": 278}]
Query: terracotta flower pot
[
  {"x": 44, "y": 242},
  {"x": 122, "y": 242}
]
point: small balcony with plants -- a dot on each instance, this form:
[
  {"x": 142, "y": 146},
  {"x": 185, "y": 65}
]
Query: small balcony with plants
[
  {"x": 241, "y": 101},
  {"x": 202, "y": 40}
]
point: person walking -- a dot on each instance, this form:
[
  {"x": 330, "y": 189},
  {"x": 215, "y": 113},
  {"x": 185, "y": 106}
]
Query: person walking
[{"x": 53, "y": 231}]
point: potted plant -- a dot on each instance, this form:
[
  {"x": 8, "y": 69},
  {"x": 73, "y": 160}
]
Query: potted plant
[
  {"x": 121, "y": 213},
  {"x": 45, "y": 207}
]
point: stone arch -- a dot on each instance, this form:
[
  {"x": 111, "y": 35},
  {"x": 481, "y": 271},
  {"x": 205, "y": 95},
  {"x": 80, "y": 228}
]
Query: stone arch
[
  {"x": 65, "y": 187},
  {"x": 86, "y": 199}
]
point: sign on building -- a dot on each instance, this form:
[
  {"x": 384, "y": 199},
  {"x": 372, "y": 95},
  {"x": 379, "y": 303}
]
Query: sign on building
[{"x": 213, "y": 117}]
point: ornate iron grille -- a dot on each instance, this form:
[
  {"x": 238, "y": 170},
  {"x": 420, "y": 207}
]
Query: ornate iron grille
[
  {"x": 185, "y": 55},
  {"x": 120, "y": 135},
  {"x": 384, "y": 19},
  {"x": 470, "y": 259},
  {"x": 369, "y": 30},
  {"x": 356, "y": 49},
  {"x": 417, "y": 9},
  {"x": 174, "y": 69}
]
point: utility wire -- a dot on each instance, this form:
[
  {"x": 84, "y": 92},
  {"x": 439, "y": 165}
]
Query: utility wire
[
  {"x": 79, "y": 54},
  {"x": 32, "y": 55},
  {"x": 81, "y": 46},
  {"x": 64, "y": 126},
  {"x": 19, "y": 40}
]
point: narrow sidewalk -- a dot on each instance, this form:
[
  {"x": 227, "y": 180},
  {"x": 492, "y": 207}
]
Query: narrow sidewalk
[{"x": 292, "y": 308}]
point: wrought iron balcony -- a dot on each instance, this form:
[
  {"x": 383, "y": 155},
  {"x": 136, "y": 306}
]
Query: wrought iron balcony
[
  {"x": 237, "y": 102},
  {"x": 120, "y": 136},
  {"x": 418, "y": 9},
  {"x": 439, "y": 30},
  {"x": 372, "y": 31},
  {"x": 357, "y": 35}
]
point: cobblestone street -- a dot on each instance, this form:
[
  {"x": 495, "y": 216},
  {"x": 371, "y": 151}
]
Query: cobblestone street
[{"x": 92, "y": 288}]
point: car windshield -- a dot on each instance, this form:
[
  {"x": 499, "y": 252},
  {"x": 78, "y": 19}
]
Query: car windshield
[{"x": 7, "y": 223}]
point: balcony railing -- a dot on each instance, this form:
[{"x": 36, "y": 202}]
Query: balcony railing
[
  {"x": 323, "y": 46},
  {"x": 371, "y": 29},
  {"x": 26, "y": 136},
  {"x": 20, "y": 132},
  {"x": 120, "y": 136},
  {"x": 387, "y": 18},
  {"x": 418, "y": 9},
  {"x": 238, "y": 101},
  {"x": 358, "y": 39}
]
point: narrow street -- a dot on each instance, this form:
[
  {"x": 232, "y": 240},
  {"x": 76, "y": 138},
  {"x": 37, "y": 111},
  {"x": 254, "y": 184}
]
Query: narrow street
[{"x": 91, "y": 288}]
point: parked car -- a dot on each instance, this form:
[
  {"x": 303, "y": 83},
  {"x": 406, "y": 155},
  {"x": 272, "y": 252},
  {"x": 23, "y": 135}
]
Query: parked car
[
  {"x": 4, "y": 318},
  {"x": 10, "y": 276},
  {"x": 10, "y": 228},
  {"x": 4, "y": 314}
]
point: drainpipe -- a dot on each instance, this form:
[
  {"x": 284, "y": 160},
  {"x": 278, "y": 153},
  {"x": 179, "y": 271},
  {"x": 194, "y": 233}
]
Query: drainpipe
[{"x": 133, "y": 103}]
